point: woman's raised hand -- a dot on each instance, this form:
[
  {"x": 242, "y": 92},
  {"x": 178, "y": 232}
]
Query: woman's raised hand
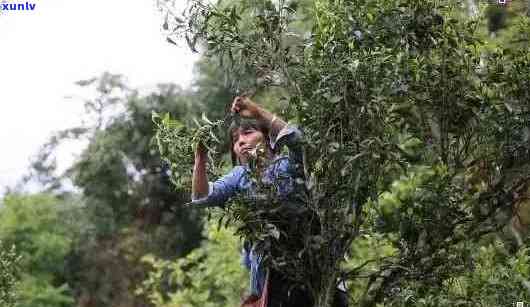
[
  {"x": 200, "y": 152},
  {"x": 245, "y": 107}
]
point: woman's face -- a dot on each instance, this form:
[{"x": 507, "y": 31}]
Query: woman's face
[{"x": 245, "y": 141}]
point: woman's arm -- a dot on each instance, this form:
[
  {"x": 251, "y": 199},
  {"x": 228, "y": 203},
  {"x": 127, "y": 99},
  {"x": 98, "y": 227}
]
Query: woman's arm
[
  {"x": 248, "y": 108},
  {"x": 199, "y": 185},
  {"x": 205, "y": 193},
  {"x": 276, "y": 124}
]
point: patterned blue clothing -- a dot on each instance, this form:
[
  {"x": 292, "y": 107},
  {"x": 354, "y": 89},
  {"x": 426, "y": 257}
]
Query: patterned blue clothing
[{"x": 281, "y": 172}]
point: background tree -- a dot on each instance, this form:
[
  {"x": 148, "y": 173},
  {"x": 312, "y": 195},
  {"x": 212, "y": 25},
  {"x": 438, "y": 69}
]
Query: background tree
[
  {"x": 127, "y": 196},
  {"x": 43, "y": 229}
]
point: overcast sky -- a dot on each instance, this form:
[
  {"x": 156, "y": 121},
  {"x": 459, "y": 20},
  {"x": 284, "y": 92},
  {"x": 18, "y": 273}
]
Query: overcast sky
[{"x": 45, "y": 51}]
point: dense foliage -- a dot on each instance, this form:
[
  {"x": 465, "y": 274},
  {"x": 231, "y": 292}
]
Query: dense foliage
[
  {"x": 177, "y": 144},
  {"x": 42, "y": 228},
  {"x": 427, "y": 127},
  {"x": 209, "y": 276}
]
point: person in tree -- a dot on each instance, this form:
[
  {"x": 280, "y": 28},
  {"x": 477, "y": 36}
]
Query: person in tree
[{"x": 283, "y": 174}]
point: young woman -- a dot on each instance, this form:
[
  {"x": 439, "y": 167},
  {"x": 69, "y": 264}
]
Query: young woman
[{"x": 284, "y": 173}]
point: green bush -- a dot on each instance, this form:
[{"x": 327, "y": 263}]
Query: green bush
[
  {"x": 9, "y": 275},
  {"x": 38, "y": 225},
  {"x": 209, "y": 276}
]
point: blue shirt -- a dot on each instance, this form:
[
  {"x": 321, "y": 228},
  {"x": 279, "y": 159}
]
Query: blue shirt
[{"x": 282, "y": 172}]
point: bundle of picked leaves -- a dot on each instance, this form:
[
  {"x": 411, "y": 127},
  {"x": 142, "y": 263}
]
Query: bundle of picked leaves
[{"x": 177, "y": 143}]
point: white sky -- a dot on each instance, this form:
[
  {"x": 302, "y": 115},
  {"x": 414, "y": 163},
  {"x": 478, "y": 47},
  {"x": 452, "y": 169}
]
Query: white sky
[{"x": 45, "y": 51}]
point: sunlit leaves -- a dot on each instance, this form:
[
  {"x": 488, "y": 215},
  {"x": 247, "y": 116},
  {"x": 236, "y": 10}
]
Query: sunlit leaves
[{"x": 177, "y": 144}]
